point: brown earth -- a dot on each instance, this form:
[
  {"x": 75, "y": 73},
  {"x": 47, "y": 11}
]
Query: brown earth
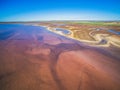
[{"x": 88, "y": 33}]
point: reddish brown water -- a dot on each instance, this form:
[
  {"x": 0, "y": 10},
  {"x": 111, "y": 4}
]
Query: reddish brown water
[{"x": 32, "y": 58}]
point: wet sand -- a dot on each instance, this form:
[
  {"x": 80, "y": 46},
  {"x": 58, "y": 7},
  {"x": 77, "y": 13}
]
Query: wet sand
[{"x": 33, "y": 58}]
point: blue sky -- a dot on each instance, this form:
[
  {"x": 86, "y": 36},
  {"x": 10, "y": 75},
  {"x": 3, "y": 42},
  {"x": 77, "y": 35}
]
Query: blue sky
[{"x": 36, "y": 10}]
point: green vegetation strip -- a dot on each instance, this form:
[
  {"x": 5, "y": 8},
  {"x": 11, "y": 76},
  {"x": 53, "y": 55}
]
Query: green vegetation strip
[{"x": 100, "y": 23}]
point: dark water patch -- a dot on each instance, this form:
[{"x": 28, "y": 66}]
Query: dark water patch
[
  {"x": 40, "y": 38},
  {"x": 107, "y": 53},
  {"x": 114, "y": 32},
  {"x": 6, "y": 35},
  {"x": 63, "y": 30},
  {"x": 103, "y": 41}
]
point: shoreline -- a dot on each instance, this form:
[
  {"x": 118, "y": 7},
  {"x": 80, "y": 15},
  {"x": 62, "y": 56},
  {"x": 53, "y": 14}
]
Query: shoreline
[{"x": 95, "y": 43}]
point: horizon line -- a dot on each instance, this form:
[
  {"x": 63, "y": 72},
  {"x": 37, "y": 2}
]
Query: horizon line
[{"x": 57, "y": 20}]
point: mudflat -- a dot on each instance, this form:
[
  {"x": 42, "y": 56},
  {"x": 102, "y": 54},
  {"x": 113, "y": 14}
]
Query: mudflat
[{"x": 35, "y": 58}]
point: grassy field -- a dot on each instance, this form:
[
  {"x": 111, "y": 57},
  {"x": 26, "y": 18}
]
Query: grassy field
[{"x": 112, "y": 23}]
